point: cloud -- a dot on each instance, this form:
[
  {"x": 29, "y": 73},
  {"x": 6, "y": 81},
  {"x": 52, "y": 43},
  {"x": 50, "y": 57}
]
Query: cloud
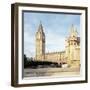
[
  {"x": 54, "y": 42},
  {"x": 29, "y": 41}
]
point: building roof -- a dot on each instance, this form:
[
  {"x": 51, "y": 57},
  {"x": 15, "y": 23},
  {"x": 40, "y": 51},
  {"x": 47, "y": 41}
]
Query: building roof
[
  {"x": 40, "y": 28},
  {"x": 78, "y": 39}
]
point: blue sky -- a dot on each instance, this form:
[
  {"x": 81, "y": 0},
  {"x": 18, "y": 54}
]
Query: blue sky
[{"x": 56, "y": 27}]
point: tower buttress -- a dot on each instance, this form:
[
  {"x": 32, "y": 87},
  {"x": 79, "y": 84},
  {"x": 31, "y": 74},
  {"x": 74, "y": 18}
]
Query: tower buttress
[{"x": 71, "y": 44}]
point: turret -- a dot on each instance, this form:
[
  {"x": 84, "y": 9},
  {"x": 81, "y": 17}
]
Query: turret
[{"x": 71, "y": 44}]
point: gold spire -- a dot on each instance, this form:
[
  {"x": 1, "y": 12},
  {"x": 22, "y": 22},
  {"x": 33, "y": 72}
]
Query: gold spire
[
  {"x": 73, "y": 31},
  {"x": 40, "y": 28},
  {"x": 72, "y": 28},
  {"x": 76, "y": 33}
]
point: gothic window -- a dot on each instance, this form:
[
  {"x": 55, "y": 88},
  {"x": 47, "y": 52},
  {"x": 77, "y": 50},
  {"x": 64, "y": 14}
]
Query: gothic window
[
  {"x": 71, "y": 43},
  {"x": 74, "y": 43}
]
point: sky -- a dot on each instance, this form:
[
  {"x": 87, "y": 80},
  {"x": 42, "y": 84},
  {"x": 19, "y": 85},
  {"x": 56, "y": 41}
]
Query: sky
[{"x": 56, "y": 27}]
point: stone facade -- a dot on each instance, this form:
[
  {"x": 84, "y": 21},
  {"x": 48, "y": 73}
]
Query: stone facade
[
  {"x": 71, "y": 55},
  {"x": 73, "y": 48}
]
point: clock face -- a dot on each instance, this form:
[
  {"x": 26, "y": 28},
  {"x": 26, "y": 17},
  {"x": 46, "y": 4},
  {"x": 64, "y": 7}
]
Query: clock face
[{"x": 38, "y": 36}]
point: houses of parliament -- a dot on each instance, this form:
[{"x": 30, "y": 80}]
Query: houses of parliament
[{"x": 71, "y": 54}]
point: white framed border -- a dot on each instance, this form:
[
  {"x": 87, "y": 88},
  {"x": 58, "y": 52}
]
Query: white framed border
[{"x": 82, "y": 49}]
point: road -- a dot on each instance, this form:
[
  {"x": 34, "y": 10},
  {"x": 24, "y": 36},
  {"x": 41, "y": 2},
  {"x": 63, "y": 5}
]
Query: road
[{"x": 51, "y": 72}]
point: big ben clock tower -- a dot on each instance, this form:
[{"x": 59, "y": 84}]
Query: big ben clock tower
[{"x": 40, "y": 43}]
